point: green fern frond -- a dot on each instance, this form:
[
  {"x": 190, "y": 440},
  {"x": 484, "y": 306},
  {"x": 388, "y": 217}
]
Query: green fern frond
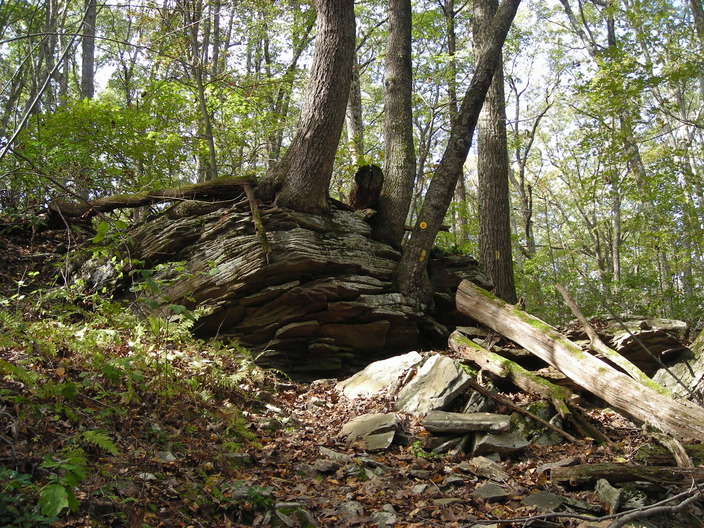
[
  {"x": 19, "y": 373},
  {"x": 101, "y": 440}
]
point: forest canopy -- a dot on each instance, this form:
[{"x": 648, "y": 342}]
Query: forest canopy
[{"x": 603, "y": 103}]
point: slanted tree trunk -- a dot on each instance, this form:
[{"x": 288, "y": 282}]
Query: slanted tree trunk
[
  {"x": 399, "y": 159},
  {"x": 645, "y": 403},
  {"x": 412, "y": 272},
  {"x": 301, "y": 179}
]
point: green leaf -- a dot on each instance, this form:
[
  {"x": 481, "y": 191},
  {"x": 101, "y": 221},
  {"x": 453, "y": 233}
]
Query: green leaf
[
  {"x": 69, "y": 390},
  {"x": 101, "y": 440},
  {"x": 53, "y": 499},
  {"x": 179, "y": 309},
  {"x": 101, "y": 232}
]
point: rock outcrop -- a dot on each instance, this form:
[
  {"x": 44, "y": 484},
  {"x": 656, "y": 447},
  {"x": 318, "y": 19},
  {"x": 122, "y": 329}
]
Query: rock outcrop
[{"x": 310, "y": 295}]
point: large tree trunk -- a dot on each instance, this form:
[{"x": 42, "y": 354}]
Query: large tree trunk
[
  {"x": 412, "y": 272},
  {"x": 88, "y": 51},
  {"x": 645, "y": 403},
  {"x": 399, "y": 159},
  {"x": 495, "y": 253},
  {"x": 301, "y": 179}
]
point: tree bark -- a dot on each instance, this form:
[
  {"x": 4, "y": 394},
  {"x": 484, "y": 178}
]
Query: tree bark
[
  {"x": 411, "y": 273},
  {"x": 399, "y": 158},
  {"x": 88, "y": 51},
  {"x": 300, "y": 180},
  {"x": 192, "y": 14},
  {"x": 616, "y": 473},
  {"x": 353, "y": 118},
  {"x": 495, "y": 254},
  {"x": 643, "y": 402}
]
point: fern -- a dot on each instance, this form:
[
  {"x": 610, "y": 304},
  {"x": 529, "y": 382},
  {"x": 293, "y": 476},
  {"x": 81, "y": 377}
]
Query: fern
[
  {"x": 12, "y": 321},
  {"x": 21, "y": 374},
  {"x": 101, "y": 440}
]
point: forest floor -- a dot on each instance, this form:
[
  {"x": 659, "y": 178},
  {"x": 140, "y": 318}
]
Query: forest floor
[{"x": 111, "y": 420}]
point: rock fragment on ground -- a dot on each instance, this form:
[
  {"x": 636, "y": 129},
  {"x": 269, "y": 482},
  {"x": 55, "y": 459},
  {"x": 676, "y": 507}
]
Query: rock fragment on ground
[
  {"x": 379, "y": 375},
  {"x": 501, "y": 443},
  {"x": 438, "y": 382},
  {"x": 376, "y": 430}
]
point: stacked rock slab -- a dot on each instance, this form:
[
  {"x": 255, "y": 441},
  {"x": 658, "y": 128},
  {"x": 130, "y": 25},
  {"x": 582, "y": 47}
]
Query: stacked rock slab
[{"x": 312, "y": 295}]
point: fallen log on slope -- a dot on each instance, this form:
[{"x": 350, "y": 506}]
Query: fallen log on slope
[
  {"x": 505, "y": 368},
  {"x": 600, "y": 347},
  {"x": 559, "y": 396},
  {"x": 618, "y": 473},
  {"x": 61, "y": 210},
  {"x": 641, "y": 401}
]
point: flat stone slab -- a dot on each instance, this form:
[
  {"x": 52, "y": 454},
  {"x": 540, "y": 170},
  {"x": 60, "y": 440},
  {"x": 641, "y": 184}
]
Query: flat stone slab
[
  {"x": 376, "y": 430},
  {"x": 439, "y": 381},
  {"x": 501, "y": 443},
  {"x": 378, "y": 376},
  {"x": 458, "y": 423},
  {"x": 490, "y": 492},
  {"x": 484, "y": 467},
  {"x": 543, "y": 500}
]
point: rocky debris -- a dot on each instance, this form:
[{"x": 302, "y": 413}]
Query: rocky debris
[
  {"x": 499, "y": 443},
  {"x": 291, "y": 514},
  {"x": 438, "y": 382},
  {"x": 544, "y": 501},
  {"x": 376, "y": 431},
  {"x": 609, "y": 496},
  {"x": 387, "y": 517},
  {"x": 484, "y": 467},
  {"x": 379, "y": 375},
  {"x": 402, "y": 482},
  {"x": 491, "y": 492}
]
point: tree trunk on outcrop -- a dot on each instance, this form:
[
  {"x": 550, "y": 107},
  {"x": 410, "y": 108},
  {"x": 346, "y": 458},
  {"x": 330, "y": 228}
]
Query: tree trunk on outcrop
[
  {"x": 412, "y": 273},
  {"x": 300, "y": 180},
  {"x": 495, "y": 252},
  {"x": 399, "y": 155},
  {"x": 645, "y": 403}
]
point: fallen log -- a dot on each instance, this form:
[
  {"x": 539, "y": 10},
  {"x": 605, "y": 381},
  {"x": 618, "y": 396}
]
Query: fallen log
[
  {"x": 598, "y": 345},
  {"x": 655, "y": 455},
  {"x": 218, "y": 189},
  {"x": 560, "y": 397},
  {"x": 642, "y": 401},
  {"x": 505, "y": 368},
  {"x": 615, "y": 473}
]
